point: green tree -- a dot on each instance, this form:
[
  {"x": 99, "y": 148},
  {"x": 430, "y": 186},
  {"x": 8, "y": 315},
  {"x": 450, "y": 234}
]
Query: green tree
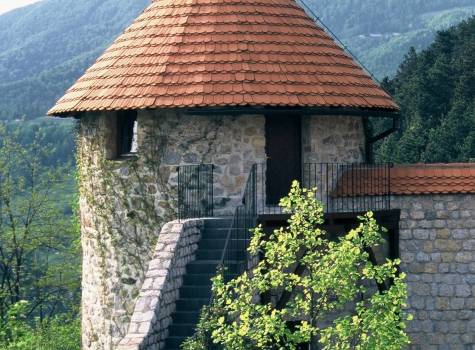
[
  {"x": 55, "y": 333},
  {"x": 39, "y": 260},
  {"x": 323, "y": 291},
  {"x": 436, "y": 92}
]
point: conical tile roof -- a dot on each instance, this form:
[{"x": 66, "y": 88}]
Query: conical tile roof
[{"x": 211, "y": 53}]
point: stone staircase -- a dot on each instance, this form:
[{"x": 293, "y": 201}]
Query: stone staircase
[{"x": 196, "y": 289}]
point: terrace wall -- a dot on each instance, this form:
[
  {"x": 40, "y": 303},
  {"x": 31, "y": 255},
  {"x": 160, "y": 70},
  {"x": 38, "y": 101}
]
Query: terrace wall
[{"x": 437, "y": 247}]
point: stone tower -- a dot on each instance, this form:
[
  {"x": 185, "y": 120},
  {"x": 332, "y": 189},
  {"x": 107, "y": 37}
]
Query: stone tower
[{"x": 229, "y": 83}]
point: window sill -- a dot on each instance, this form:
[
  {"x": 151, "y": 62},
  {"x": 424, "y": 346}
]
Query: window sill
[{"x": 125, "y": 157}]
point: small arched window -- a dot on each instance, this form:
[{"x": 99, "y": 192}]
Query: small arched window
[{"x": 126, "y": 133}]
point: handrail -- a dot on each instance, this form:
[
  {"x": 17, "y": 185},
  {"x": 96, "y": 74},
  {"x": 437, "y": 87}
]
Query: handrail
[
  {"x": 247, "y": 211},
  {"x": 195, "y": 191}
]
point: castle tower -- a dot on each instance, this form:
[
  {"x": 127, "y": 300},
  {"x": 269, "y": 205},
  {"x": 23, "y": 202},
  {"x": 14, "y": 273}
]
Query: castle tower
[{"x": 228, "y": 83}]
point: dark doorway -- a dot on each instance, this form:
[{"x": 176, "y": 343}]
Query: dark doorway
[{"x": 283, "y": 148}]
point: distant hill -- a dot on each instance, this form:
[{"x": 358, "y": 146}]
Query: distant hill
[
  {"x": 436, "y": 91},
  {"x": 46, "y": 46},
  {"x": 381, "y": 32}
]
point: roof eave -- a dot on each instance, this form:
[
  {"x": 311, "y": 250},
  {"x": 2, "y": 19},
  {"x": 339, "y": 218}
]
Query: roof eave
[{"x": 239, "y": 110}]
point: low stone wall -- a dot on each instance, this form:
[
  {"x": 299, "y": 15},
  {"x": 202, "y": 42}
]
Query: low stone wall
[
  {"x": 437, "y": 247},
  {"x": 151, "y": 318}
]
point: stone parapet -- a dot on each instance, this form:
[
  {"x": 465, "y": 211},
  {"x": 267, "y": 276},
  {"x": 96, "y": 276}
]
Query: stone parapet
[{"x": 151, "y": 318}]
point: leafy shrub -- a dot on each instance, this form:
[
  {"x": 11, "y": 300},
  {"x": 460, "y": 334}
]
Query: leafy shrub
[
  {"x": 57, "y": 333},
  {"x": 326, "y": 288}
]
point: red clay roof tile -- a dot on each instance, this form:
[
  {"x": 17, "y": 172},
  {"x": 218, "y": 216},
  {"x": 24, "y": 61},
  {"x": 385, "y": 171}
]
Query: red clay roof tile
[
  {"x": 410, "y": 180},
  {"x": 182, "y": 53}
]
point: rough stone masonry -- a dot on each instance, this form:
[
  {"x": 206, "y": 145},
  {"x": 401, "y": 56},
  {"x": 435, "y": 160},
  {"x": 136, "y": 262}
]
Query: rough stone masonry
[
  {"x": 125, "y": 202},
  {"x": 437, "y": 247}
]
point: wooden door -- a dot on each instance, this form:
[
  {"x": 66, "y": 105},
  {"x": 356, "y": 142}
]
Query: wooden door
[{"x": 284, "y": 156}]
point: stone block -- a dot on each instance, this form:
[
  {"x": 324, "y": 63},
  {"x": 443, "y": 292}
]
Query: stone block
[
  {"x": 443, "y": 233},
  {"x": 442, "y": 303},
  {"x": 464, "y": 257},
  {"x": 446, "y": 245},
  {"x": 446, "y": 290},
  {"x": 444, "y": 267},
  {"x": 430, "y": 268},
  {"x": 422, "y": 257},
  {"x": 421, "y": 234},
  {"x": 457, "y": 303},
  {"x": 470, "y": 246},
  {"x": 463, "y": 290},
  {"x": 417, "y": 214}
]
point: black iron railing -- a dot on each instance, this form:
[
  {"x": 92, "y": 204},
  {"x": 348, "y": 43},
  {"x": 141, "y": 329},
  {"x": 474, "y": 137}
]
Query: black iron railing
[
  {"x": 195, "y": 191},
  {"x": 342, "y": 188},
  {"x": 234, "y": 259},
  {"x": 350, "y": 188}
]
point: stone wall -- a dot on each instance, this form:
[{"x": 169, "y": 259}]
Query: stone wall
[
  {"x": 232, "y": 143},
  {"x": 125, "y": 202},
  {"x": 176, "y": 247},
  {"x": 333, "y": 139},
  {"x": 437, "y": 247},
  {"x": 330, "y": 139}
]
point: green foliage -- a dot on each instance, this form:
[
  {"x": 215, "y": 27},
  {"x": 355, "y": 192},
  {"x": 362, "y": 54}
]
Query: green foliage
[
  {"x": 327, "y": 288},
  {"x": 55, "y": 333},
  {"x": 436, "y": 91},
  {"x": 45, "y": 47},
  {"x": 39, "y": 260},
  {"x": 56, "y": 134},
  {"x": 380, "y": 32}
]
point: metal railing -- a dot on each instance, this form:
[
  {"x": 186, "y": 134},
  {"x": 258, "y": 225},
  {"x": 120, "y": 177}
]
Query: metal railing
[
  {"x": 354, "y": 187},
  {"x": 342, "y": 188},
  {"x": 195, "y": 191},
  {"x": 234, "y": 258}
]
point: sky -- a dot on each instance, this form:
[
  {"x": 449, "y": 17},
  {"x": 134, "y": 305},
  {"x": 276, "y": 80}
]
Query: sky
[{"x": 7, "y": 5}]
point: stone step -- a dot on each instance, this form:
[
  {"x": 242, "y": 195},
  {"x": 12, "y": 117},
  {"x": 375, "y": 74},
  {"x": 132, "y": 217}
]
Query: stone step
[
  {"x": 186, "y": 317},
  {"x": 215, "y": 254},
  {"x": 182, "y": 330},
  {"x": 198, "y": 279},
  {"x": 209, "y": 254},
  {"x": 188, "y": 292},
  {"x": 218, "y": 244},
  {"x": 203, "y": 267},
  {"x": 190, "y": 305},
  {"x": 209, "y": 267},
  {"x": 215, "y": 233},
  {"x": 173, "y": 343},
  {"x": 218, "y": 223}
]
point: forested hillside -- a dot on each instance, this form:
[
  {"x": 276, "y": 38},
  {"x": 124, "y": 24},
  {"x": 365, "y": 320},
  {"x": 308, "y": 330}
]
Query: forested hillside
[
  {"x": 45, "y": 47},
  {"x": 436, "y": 91},
  {"x": 380, "y": 32}
]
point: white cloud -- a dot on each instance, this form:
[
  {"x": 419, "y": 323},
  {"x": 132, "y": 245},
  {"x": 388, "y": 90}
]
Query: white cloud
[{"x": 7, "y": 5}]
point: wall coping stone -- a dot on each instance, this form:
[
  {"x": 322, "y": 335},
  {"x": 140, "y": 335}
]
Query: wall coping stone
[{"x": 176, "y": 247}]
